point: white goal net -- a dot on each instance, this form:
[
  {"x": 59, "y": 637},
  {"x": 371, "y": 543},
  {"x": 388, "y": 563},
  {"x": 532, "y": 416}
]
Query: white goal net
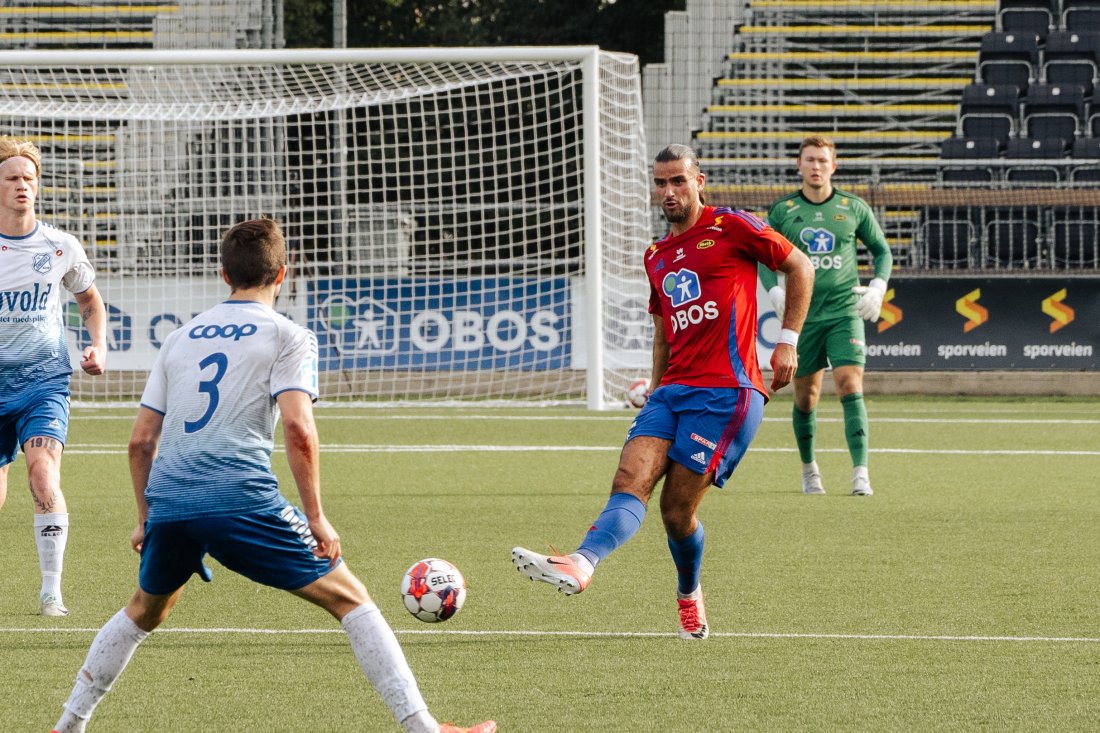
[{"x": 465, "y": 224}]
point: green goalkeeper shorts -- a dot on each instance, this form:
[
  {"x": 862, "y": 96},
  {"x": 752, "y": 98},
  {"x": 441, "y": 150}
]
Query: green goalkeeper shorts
[{"x": 839, "y": 342}]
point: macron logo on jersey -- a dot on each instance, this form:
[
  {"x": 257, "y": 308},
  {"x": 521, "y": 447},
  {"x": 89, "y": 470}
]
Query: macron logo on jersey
[
  {"x": 681, "y": 287},
  {"x": 817, "y": 241}
]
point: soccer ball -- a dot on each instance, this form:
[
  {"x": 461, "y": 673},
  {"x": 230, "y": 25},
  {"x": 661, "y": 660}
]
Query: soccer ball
[
  {"x": 636, "y": 393},
  {"x": 433, "y": 590}
]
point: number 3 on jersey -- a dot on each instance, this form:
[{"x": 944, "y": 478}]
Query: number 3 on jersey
[{"x": 210, "y": 386}]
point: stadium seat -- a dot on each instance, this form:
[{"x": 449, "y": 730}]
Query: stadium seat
[
  {"x": 1008, "y": 58},
  {"x": 958, "y": 147},
  {"x": 1000, "y": 46},
  {"x": 1071, "y": 57},
  {"x": 1013, "y": 239},
  {"x": 976, "y": 149},
  {"x": 948, "y": 237},
  {"x": 1053, "y": 110},
  {"x": 1026, "y": 147},
  {"x": 989, "y": 111},
  {"x": 1033, "y": 175},
  {"x": 1027, "y": 16},
  {"x": 1088, "y": 175},
  {"x": 1007, "y": 72},
  {"x": 1086, "y": 154},
  {"x": 1063, "y": 125},
  {"x": 992, "y": 125},
  {"x": 990, "y": 98},
  {"x": 1081, "y": 15},
  {"x": 1075, "y": 237},
  {"x": 1087, "y": 148}
]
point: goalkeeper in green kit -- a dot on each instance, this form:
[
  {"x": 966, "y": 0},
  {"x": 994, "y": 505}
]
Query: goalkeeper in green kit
[{"x": 825, "y": 223}]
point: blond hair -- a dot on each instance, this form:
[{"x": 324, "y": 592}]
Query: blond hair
[{"x": 11, "y": 147}]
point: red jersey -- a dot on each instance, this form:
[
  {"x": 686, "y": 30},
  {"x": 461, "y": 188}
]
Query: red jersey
[{"x": 703, "y": 284}]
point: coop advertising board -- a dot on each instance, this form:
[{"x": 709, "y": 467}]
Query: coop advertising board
[
  {"x": 934, "y": 324},
  {"x": 476, "y": 323}
]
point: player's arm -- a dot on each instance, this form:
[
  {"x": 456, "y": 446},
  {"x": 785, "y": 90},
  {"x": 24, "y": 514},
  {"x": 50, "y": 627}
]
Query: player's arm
[
  {"x": 94, "y": 316},
  {"x": 870, "y": 295},
  {"x": 142, "y": 450},
  {"x": 770, "y": 281},
  {"x": 800, "y": 285},
  {"x": 303, "y": 453},
  {"x": 660, "y": 352}
]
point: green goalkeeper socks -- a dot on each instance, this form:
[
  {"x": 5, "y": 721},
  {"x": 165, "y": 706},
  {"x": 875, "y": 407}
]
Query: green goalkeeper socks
[
  {"x": 805, "y": 428},
  {"x": 855, "y": 427}
]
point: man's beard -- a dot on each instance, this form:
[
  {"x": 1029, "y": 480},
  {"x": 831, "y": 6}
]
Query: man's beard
[{"x": 677, "y": 215}]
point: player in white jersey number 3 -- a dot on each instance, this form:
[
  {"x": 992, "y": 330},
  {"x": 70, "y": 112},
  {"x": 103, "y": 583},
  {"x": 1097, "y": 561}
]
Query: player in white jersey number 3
[
  {"x": 200, "y": 461},
  {"x": 36, "y": 263}
]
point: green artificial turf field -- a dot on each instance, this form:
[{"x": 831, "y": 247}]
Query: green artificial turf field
[{"x": 962, "y": 596}]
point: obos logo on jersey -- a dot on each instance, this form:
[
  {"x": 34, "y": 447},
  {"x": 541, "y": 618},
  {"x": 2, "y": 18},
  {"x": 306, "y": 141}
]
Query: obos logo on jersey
[
  {"x": 682, "y": 288},
  {"x": 817, "y": 241}
]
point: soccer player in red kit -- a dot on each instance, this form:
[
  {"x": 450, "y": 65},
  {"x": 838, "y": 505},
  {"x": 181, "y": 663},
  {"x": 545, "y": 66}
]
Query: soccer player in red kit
[{"x": 709, "y": 396}]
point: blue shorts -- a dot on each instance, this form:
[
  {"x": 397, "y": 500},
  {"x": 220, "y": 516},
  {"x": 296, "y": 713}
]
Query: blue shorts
[
  {"x": 710, "y": 428},
  {"x": 273, "y": 547},
  {"x": 41, "y": 411}
]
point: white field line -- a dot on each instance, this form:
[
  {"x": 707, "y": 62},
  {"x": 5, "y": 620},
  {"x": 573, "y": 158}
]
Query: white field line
[
  {"x": 112, "y": 450},
  {"x": 604, "y": 634},
  {"x": 622, "y": 418}
]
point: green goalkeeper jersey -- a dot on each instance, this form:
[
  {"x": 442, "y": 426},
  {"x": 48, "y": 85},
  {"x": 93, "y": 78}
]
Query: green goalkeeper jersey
[{"x": 827, "y": 234}]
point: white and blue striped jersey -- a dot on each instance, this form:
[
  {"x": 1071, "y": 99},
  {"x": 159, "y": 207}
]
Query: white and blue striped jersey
[
  {"x": 216, "y": 380},
  {"x": 33, "y": 270}
]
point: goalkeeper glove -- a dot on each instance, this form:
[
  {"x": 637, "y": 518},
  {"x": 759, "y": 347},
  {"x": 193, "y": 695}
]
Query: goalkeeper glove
[
  {"x": 870, "y": 299},
  {"x": 778, "y": 297}
]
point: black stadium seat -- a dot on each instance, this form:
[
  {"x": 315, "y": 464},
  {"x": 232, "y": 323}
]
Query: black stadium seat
[
  {"x": 1024, "y": 147},
  {"x": 1007, "y": 73},
  {"x": 1028, "y": 16},
  {"x": 948, "y": 236},
  {"x": 1013, "y": 238},
  {"x": 958, "y": 148},
  {"x": 1071, "y": 57},
  {"x": 1035, "y": 148},
  {"x": 1081, "y": 15},
  {"x": 1074, "y": 237},
  {"x": 1008, "y": 58},
  {"x": 1053, "y": 110},
  {"x": 1087, "y": 148},
  {"x": 1000, "y": 46},
  {"x": 991, "y": 98}
]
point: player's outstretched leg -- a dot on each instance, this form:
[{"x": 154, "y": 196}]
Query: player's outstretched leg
[
  {"x": 107, "y": 657},
  {"x": 569, "y": 573}
]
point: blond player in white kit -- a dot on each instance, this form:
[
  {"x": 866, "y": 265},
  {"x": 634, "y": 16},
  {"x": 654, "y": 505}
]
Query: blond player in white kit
[{"x": 38, "y": 263}]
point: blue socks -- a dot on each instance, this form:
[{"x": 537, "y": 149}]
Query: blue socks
[
  {"x": 617, "y": 523},
  {"x": 688, "y": 556}
]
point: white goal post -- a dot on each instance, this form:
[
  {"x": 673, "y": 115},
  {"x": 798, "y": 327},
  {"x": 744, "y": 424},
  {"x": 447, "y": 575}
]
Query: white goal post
[{"x": 464, "y": 223}]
